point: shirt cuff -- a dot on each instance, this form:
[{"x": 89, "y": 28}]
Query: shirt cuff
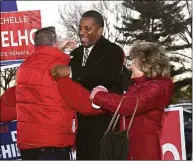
[
  {"x": 95, "y": 106},
  {"x": 70, "y": 73}
]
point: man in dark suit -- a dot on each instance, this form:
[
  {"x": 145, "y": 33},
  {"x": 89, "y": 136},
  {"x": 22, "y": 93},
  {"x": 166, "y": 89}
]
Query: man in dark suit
[{"x": 96, "y": 62}]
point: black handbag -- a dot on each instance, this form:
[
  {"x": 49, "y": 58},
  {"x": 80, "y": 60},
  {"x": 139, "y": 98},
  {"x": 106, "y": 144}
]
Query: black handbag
[{"x": 115, "y": 145}]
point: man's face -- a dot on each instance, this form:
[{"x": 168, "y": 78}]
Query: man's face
[{"x": 89, "y": 31}]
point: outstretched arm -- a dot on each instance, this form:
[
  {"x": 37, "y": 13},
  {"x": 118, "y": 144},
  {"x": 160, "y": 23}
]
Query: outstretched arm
[
  {"x": 76, "y": 96},
  {"x": 147, "y": 97}
]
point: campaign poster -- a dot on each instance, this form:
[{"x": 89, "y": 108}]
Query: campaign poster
[
  {"x": 172, "y": 135},
  {"x": 17, "y": 34},
  {"x": 8, "y": 149}
]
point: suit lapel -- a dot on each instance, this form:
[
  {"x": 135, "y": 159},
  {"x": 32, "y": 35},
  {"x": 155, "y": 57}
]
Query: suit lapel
[
  {"x": 80, "y": 55},
  {"x": 96, "y": 53}
]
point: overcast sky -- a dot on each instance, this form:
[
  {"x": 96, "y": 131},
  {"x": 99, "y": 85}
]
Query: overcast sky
[{"x": 48, "y": 9}]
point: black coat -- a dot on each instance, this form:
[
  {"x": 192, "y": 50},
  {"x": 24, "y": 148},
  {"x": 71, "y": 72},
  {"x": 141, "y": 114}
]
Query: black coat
[{"x": 103, "y": 67}]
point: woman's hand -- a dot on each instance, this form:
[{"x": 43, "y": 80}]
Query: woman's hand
[{"x": 97, "y": 89}]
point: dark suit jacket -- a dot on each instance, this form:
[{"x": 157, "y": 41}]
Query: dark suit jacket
[{"x": 103, "y": 67}]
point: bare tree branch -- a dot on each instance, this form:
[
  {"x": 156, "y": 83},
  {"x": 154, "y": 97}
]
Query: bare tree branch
[
  {"x": 112, "y": 13},
  {"x": 7, "y": 76}
]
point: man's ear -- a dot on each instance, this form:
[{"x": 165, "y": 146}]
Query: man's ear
[{"x": 100, "y": 31}]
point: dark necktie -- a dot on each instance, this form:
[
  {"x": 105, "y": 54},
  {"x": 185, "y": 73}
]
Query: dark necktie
[{"x": 85, "y": 56}]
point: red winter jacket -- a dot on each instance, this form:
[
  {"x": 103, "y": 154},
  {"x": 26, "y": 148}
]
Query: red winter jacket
[
  {"x": 8, "y": 105},
  {"x": 44, "y": 118},
  {"x": 154, "y": 95}
]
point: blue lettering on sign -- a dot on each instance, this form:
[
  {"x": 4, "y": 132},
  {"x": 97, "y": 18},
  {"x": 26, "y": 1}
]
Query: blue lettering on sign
[{"x": 8, "y": 146}]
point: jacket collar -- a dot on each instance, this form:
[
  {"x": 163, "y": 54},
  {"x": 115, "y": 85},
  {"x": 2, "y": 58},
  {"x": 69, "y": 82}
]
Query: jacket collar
[
  {"x": 139, "y": 80},
  {"x": 142, "y": 79},
  {"x": 100, "y": 40}
]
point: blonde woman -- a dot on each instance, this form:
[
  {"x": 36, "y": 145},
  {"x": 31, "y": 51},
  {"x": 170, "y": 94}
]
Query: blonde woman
[{"x": 153, "y": 88}]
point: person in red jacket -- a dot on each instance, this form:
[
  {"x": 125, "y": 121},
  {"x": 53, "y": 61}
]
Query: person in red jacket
[
  {"x": 45, "y": 122},
  {"x": 8, "y": 105},
  {"x": 153, "y": 89}
]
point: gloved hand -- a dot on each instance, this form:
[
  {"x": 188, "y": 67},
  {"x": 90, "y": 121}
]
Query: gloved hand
[{"x": 97, "y": 89}]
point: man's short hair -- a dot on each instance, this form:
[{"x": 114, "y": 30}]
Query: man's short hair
[
  {"x": 96, "y": 16},
  {"x": 45, "y": 36}
]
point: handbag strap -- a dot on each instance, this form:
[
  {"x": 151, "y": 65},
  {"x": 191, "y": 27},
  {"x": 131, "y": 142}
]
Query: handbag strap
[
  {"x": 115, "y": 122},
  {"x": 114, "y": 116},
  {"x": 133, "y": 115}
]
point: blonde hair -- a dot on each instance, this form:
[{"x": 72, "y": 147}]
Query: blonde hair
[{"x": 152, "y": 59}]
